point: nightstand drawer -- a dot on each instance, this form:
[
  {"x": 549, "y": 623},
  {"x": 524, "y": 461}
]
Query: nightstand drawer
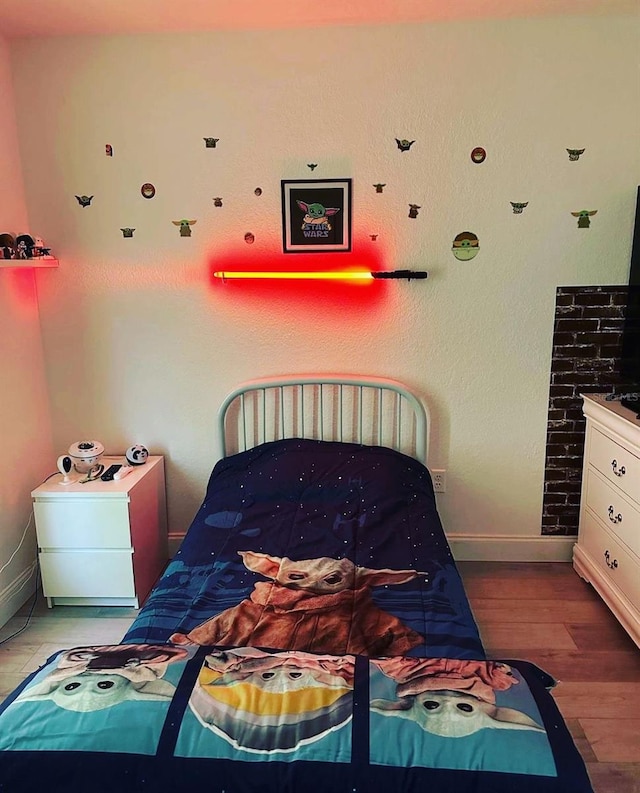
[
  {"x": 617, "y": 564},
  {"x": 618, "y": 514},
  {"x": 83, "y": 523},
  {"x": 87, "y": 574},
  {"x": 616, "y": 463}
]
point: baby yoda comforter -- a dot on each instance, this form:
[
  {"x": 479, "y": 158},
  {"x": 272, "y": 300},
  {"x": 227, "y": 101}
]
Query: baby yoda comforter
[
  {"x": 135, "y": 718},
  {"x": 311, "y": 635},
  {"x": 315, "y": 546}
]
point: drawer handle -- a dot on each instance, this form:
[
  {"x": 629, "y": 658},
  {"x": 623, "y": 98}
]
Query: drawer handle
[
  {"x": 614, "y": 518},
  {"x": 618, "y": 471},
  {"x": 612, "y": 563}
]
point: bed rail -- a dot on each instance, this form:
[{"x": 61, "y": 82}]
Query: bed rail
[{"x": 369, "y": 410}]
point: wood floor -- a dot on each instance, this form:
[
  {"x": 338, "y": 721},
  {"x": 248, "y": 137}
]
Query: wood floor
[{"x": 543, "y": 613}]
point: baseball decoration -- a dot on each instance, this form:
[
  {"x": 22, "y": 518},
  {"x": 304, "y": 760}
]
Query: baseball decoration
[{"x": 136, "y": 454}]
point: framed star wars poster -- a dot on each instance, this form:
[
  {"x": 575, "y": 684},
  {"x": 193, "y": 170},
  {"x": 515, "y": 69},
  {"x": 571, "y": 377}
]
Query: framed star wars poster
[{"x": 316, "y": 215}]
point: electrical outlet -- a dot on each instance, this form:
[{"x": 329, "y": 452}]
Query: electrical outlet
[{"x": 439, "y": 478}]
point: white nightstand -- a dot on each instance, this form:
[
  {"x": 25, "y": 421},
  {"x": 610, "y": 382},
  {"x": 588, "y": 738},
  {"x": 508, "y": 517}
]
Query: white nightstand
[{"x": 102, "y": 543}]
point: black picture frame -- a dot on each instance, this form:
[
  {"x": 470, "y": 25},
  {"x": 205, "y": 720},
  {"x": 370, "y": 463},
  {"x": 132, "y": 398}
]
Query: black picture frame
[{"x": 316, "y": 215}]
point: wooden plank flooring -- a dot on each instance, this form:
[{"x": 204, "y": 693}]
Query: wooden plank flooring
[{"x": 542, "y": 613}]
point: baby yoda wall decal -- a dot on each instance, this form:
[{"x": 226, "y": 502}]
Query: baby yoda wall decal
[
  {"x": 404, "y": 144},
  {"x": 316, "y": 219},
  {"x": 127, "y": 232},
  {"x": 312, "y": 166},
  {"x": 465, "y": 246},
  {"x": 518, "y": 206},
  {"x": 574, "y": 154},
  {"x": 217, "y": 201},
  {"x": 84, "y": 200},
  {"x": 318, "y": 605},
  {"x": 583, "y": 217},
  {"x": 478, "y": 155},
  {"x": 413, "y": 210},
  {"x": 379, "y": 187},
  {"x": 108, "y": 150},
  {"x": 210, "y": 143},
  {"x": 185, "y": 226}
]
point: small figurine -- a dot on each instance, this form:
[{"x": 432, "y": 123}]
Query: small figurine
[
  {"x": 25, "y": 245},
  {"x": 7, "y": 246}
]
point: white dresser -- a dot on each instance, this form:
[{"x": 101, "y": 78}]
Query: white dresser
[
  {"x": 102, "y": 543},
  {"x": 608, "y": 550}
]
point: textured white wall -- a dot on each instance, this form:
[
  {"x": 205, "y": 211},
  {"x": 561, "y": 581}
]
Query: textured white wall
[
  {"x": 25, "y": 428},
  {"x": 140, "y": 347}
]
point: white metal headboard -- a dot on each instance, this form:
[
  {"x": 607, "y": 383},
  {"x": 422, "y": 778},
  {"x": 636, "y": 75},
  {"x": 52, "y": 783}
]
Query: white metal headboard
[{"x": 354, "y": 409}]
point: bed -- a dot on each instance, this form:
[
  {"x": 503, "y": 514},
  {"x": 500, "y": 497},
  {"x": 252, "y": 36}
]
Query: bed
[{"x": 311, "y": 633}]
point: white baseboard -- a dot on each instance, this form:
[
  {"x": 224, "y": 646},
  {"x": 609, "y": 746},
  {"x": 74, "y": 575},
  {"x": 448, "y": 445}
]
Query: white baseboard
[
  {"x": 16, "y": 593},
  {"x": 493, "y": 548},
  {"x": 505, "y": 548}
]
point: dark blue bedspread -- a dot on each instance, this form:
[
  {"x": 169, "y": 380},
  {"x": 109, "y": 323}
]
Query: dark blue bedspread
[{"x": 320, "y": 547}]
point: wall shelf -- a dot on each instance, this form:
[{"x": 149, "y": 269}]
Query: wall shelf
[{"x": 25, "y": 264}]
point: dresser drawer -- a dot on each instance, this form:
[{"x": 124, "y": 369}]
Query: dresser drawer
[
  {"x": 616, "y": 463},
  {"x": 610, "y": 556},
  {"x": 83, "y": 523},
  {"x": 87, "y": 574},
  {"x": 619, "y": 515}
]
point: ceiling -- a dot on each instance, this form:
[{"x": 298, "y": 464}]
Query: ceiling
[{"x": 19, "y": 18}]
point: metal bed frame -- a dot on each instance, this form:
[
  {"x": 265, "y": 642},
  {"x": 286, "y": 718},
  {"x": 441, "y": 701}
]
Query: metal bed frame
[{"x": 354, "y": 409}]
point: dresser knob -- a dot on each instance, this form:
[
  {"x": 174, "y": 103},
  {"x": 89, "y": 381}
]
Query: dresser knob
[
  {"x": 614, "y": 518},
  {"x": 618, "y": 471},
  {"x": 612, "y": 563}
]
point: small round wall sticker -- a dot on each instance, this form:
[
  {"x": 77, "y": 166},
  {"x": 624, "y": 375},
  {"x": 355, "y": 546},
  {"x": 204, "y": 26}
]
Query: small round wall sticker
[
  {"x": 148, "y": 190},
  {"x": 465, "y": 246},
  {"x": 478, "y": 155}
]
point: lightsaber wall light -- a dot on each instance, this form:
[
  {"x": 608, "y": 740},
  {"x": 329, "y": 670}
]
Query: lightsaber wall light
[{"x": 319, "y": 275}]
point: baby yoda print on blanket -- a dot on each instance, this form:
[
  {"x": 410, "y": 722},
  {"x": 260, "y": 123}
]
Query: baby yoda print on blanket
[
  {"x": 107, "y": 698},
  {"x": 445, "y": 702},
  {"x": 248, "y": 720},
  {"x": 315, "y": 605}
]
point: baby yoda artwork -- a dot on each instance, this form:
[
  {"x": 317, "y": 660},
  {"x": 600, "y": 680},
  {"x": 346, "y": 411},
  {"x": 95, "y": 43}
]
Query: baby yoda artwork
[
  {"x": 574, "y": 154},
  {"x": 185, "y": 226},
  {"x": 84, "y": 200},
  {"x": 451, "y": 698},
  {"x": 93, "y": 678},
  {"x": 518, "y": 206},
  {"x": 413, "y": 210},
  {"x": 316, "y": 605},
  {"x": 210, "y": 143},
  {"x": 583, "y": 217},
  {"x": 316, "y": 219},
  {"x": 404, "y": 144},
  {"x": 239, "y": 690}
]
